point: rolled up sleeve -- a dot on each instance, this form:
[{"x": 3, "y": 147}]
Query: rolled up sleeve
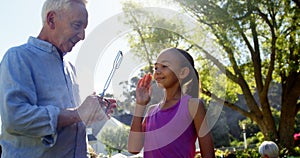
[{"x": 20, "y": 112}]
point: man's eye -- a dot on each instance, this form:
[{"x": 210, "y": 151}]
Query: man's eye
[{"x": 76, "y": 26}]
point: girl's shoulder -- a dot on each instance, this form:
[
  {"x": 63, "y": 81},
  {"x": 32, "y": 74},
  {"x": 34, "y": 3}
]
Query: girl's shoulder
[
  {"x": 194, "y": 105},
  {"x": 195, "y": 102}
]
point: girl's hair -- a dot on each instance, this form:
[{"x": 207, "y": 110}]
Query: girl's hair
[
  {"x": 269, "y": 148},
  {"x": 190, "y": 85},
  {"x": 54, "y": 5}
]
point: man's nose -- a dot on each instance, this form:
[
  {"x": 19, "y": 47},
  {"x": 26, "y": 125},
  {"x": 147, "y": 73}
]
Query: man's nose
[{"x": 81, "y": 34}]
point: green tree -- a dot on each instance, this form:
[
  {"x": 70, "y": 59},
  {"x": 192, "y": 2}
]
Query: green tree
[
  {"x": 145, "y": 40},
  {"x": 261, "y": 41},
  {"x": 154, "y": 33},
  {"x": 115, "y": 139}
]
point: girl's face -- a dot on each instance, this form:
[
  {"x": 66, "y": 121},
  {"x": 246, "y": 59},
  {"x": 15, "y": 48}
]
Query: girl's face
[{"x": 167, "y": 68}]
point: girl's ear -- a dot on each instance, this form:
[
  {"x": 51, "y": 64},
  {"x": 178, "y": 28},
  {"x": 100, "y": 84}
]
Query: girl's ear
[{"x": 184, "y": 72}]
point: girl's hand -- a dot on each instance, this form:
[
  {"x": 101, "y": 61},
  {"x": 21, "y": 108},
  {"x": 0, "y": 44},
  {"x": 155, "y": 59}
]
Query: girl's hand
[{"x": 143, "y": 90}]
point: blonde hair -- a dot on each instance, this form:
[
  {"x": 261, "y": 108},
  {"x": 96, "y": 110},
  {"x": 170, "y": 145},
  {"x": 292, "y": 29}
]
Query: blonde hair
[
  {"x": 54, "y": 5},
  {"x": 269, "y": 148}
]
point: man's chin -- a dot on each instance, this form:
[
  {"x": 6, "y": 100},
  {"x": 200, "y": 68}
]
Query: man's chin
[{"x": 67, "y": 50}]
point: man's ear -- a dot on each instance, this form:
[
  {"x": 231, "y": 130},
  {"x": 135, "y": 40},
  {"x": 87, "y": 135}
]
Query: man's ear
[
  {"x": 184, "y": 72},
  {"x": 50, "y": 20}
]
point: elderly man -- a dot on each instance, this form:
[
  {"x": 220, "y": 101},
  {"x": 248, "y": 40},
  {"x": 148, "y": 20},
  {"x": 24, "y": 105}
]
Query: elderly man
[{"x": 41, "y": 112}]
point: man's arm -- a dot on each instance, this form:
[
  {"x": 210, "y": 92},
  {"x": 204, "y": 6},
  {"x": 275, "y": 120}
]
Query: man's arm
[
  {"x": 67, "y": 117},
  {"x": 89, "y": 111}
]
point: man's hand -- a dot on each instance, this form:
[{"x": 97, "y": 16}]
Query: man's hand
[{"x": 91, "y": 110}]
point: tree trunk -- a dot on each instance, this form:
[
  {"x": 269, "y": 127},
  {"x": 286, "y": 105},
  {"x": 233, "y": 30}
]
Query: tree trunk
[
  {"x": 286, "y": 125},
  {"x": 268, "y": 130},
  {"x": 290, "y": 96}
]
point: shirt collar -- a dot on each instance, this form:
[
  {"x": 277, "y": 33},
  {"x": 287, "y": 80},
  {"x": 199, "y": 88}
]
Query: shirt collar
[{"x": 44, "y": 45}]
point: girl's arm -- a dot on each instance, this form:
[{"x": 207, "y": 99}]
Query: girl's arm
[
  {"x": 136, "y": 135},
  {"x": 197, "y": 111}
]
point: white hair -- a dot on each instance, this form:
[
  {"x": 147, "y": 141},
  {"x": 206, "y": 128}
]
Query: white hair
[
  {"x": 269, "y": 148},
  {"x": 54, "y": 5}
]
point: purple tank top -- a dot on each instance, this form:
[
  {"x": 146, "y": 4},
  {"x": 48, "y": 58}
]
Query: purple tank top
[{"x": 170, "y": 132}]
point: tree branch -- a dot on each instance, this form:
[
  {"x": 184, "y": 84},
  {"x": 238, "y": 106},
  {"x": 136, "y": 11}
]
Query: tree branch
[
  {"x": 218, "y": 64},
  {"x": 226, "y": 103},
  {"x": 256, "y": 57},
  {"x": 264, "y": 92},
  {"x": 137, "y": 27}
]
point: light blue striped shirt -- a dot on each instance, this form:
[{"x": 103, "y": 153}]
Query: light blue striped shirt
[{"x": 35, "y": 83}]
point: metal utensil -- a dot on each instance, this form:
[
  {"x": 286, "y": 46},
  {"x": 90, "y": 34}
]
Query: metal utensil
[{"x": 116, "y": 65}]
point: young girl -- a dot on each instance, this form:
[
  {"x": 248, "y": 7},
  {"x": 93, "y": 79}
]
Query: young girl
[{"x": 171, "y": 127}]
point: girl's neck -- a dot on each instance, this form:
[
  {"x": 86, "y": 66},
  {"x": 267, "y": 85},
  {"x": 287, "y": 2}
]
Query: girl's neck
[{"x": 171, "y": 98}]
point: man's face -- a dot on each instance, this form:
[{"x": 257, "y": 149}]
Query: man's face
[{"x": 70, "y": 27}]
